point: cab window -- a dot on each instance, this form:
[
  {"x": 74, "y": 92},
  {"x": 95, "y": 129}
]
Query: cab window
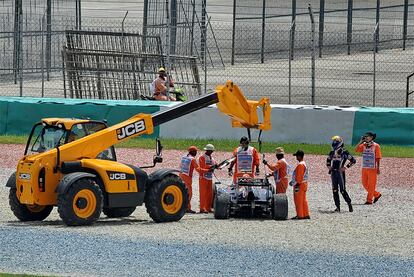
[
  {"x": 78, "y": 131},
  {"x": 47, "y": 138},
  {"x": 93, "y": 127}
]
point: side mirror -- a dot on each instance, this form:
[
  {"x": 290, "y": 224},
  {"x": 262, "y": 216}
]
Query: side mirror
[
  {"x": 158, "y": 147},
  {"x": 158, "y": 151},
  {"x": 157, "y": 159},
  {"x": 157, "y": 156}
]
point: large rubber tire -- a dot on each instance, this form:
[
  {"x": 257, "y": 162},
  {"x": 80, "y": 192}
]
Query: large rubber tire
[
  {"x": 27, "y": 212},
  {"x": 222, "y": 206},
  {"x": 81, "y": 204},
  {"x": 118, "y": 212},
  {"x": 11, "y": 182},
  {"x": 166, "y": 200},
  {"x": 280, "y": 206}
]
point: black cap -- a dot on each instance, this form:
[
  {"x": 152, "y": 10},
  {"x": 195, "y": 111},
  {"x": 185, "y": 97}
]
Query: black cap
[
  {"x": 244, "y": 139},
  {"x": 299, "y": 153},
  {"x": 370, "y": 134}
]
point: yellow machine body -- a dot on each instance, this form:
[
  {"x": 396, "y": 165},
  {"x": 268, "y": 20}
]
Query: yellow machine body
[{"x": 39, "y": 175}]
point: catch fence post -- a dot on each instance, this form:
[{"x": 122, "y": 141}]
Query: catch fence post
[
  {"x": 313, "y": 54},
  {"x": 405, "y": 21},
  {"x": 349, "y": 26},
  {"x": 263, "y": 31},
  {"x": 123, "y": 56},
  {"x": 290, "y": 57},
  {"x": 374, "y": 50},
  {"x": 321, "y": 25}
]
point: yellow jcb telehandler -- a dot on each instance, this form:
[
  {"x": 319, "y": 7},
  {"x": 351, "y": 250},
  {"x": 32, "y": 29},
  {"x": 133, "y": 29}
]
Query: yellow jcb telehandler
[{"x": 71, "y": 164}]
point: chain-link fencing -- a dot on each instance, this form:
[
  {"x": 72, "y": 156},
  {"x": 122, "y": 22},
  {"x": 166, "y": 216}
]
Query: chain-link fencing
[
  {"x": 369, "y": 67},
  {"x": 340, "y": 79}
]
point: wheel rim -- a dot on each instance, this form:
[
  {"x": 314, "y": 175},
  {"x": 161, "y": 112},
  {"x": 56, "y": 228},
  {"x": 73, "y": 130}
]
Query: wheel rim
[
  {"x": 35, "y": 208},
  {"x": 172, "y": 199},
  {"x": 84, "y": 203}
]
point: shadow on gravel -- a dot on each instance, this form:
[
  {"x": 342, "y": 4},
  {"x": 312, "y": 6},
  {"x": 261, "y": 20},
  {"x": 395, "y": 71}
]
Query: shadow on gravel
[
  {"x": 361, "y": 204},
  {"x": 257, "y": 218},
  {"x": 326, "y": 211},
  {"x": 119, "y": 221},
  {"x": 35, "y": 223},
  {"x": 59, "y": 223}
]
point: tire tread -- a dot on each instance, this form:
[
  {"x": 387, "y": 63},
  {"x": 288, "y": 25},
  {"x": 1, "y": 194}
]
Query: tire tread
[
  {"x": 153, "y": 201},
  {"x": 65, "y": 209}
]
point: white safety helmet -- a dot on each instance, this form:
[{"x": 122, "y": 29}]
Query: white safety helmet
[{"x": 209, "y": 147}]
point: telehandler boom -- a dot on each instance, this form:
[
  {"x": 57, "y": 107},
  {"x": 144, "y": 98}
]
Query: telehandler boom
[{"x": 71, "y": 164}]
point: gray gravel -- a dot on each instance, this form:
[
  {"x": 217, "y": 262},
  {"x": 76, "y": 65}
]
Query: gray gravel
[{"x": 375, "y": 240}]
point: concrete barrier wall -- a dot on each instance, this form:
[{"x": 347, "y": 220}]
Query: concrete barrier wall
[
  {"x": 301, "y": 124},
  {"x": 290, "y": 123}
]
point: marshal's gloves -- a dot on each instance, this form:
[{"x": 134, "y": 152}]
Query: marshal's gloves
[{"x": 264, "y": 162}]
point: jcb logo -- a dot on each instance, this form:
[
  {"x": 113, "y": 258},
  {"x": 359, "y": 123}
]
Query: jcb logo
[
  {"x": 117, "y": 176},
  {"x": 24, "y": 176},
  {"x": 130, "y": 129}
]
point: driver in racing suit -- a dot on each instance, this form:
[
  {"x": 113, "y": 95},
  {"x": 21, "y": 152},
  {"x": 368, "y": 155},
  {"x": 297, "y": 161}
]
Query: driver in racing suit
[{"x": 336, "y": 164}]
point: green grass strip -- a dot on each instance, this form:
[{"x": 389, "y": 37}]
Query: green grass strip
[{"x": 229, "y": 145}]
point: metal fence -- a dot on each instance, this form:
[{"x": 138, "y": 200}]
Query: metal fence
[
  {"x": 352, "y": 19},
  {"x": 277, "y": 65},
  {"x": 366, "y": 77}
]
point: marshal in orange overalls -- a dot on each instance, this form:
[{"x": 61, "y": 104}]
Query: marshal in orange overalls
[
  {"x": 206, "y": 183},
  {"x": 280, "y": 173},
  {"x": 370, "y": 162},
  {"x": 187, "y": 166},
  {"x": 300, "y": 186}
]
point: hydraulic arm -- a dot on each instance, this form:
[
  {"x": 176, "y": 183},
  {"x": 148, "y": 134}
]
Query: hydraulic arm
[{"x": 229, "y": 99}]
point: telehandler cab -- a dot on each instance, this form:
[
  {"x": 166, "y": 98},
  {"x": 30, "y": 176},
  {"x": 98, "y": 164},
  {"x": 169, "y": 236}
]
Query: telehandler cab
[{"x": 71, "y": 164}]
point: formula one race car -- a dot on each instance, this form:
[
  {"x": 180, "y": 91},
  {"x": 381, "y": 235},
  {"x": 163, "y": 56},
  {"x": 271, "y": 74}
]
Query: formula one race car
[{"x": 251, "y": 197}]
